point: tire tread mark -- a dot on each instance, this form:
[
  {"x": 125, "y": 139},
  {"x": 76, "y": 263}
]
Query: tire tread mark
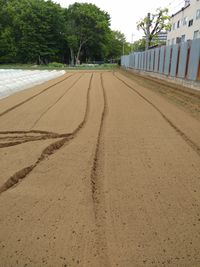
[
  {"x": 49, "y": 150},
  {"x": 191, "y": 143},
  {"x": 96, "y": 155},
  {"x": 49, "y": 135},
  {"x": 26, "y": 132},
  {"x": 174, "y": 87},
  {"x": 51, "y": 106},
  {"x": 97, "y": 191},
  {"x": 32, "y": 97},
  {"x": 32, "y": 139}
]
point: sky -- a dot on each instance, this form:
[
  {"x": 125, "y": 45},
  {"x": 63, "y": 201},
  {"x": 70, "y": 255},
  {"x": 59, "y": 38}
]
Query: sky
[{"x": 124, "y": 14}]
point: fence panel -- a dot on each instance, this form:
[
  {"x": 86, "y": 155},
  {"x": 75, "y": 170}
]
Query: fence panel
[
  {"x": 140, "y": 64},
  {"x": 136, "y": 61},
  {"x": 162, "y": 59},
  {"x": 152, "y": 59},
  {"x": 132, "y": 61},
  {"x": 167, "y": 60},
  {"x": 194, "y": 60},
  {"x": 148, "y": 60},
  {"x": 157, "y": 55},
  {"x": 183, "y": 60},
  {"x": 174, "y": 61},
  {"x": 143, "y": 60}
]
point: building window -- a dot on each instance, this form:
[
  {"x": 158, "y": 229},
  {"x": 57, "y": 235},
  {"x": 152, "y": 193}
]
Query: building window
[
  {"x": 182, "y": 38},
  {"x": 174, "y": 26},
  {"x": 178, "y": 24},
  {"x": 196, "y": 35},
  {"x": 198, "y": 14},
  {"x": 184, "y": 21},
  {"x": 190, "y": 23}
]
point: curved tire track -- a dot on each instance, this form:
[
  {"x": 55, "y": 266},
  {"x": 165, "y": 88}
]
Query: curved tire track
[
  {"x": 49, "y": 150},
  {"x": 24, "y": 137},
  {"x": 31, "y": 139},
  {"x": 26, "y": 132},
  {"x": 190, "y": 142},
  {"x": 97, "y": 191},
  {"x": 49, "y": 135},
  {"x": 32, "y": 97},
  {"x": 51, "y": 106},
  {"x": 174, "y": 87}
]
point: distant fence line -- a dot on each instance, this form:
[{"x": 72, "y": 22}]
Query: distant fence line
[{"x": 179, "y": 60}]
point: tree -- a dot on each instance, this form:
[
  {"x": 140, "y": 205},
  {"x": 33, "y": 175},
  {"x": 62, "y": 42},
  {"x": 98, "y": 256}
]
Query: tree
[
  {"x": 7, "y": 43},
  {"x": 116, "y": 43},
  {"x": 138, "y": 45},
  {"x": 31, "y": 31},
  {"x": 87, "y": 25},
  {"x": 158, "y": 22},
  {"x": 40, "y": 31}
]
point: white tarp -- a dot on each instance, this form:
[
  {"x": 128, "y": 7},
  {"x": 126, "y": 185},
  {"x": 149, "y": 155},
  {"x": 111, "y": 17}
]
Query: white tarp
[{"x": 12, "y": 80}]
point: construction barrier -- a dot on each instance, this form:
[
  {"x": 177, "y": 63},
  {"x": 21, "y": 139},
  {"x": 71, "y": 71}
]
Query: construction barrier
[{"x": 179, "y": 60}]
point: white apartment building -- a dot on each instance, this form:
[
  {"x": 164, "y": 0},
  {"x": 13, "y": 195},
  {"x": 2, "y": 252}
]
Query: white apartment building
[{"x": 185, "y": 23}]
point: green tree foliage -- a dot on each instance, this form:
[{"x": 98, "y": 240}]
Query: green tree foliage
[
  {"x": 138, "y": 45},
  {"x": 87, "y": 26},
  {"x": 118, "y": 45},
  {"x": 40, "y": 31},
  {"x": 159, "y": 21},
  {"x": 31, "y": 31},
  {"x": 7, "y": 42}
]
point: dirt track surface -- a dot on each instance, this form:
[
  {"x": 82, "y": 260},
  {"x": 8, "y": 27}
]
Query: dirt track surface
[{"x": 98, "y": 171}]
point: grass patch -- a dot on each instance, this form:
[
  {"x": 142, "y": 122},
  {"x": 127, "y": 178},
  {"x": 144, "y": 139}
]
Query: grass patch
[{"x": 59, "y": 66}]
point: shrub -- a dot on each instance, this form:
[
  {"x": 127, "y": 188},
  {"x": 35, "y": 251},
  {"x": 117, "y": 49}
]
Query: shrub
[{"x": 56, "y": 65}]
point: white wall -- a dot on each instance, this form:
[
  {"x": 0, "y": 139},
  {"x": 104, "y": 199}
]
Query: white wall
[{"x": 190, "y": 12}]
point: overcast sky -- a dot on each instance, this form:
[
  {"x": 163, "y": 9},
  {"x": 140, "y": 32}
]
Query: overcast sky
[{"x": 125, "y": 13}]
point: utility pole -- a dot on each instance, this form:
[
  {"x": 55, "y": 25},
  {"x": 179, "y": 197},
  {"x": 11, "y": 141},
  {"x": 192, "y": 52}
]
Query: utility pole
[
  {"x": 148, "y": 31},
  {"x": 132, "y": 42}
]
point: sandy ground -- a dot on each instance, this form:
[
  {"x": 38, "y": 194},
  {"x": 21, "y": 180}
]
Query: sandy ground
[{"x": 99, "y": 170}]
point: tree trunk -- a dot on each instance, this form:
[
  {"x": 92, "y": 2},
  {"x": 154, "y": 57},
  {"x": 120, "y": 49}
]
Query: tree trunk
[
  {"x": 78, "y": 55},
  {"x": 72, "y": 56},
  {"x": 79, "y": 51}
]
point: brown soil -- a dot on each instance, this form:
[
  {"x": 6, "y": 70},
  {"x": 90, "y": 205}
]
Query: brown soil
[
  {"x": 186, "y": 98},
  {"x": 97, "y": 170}
]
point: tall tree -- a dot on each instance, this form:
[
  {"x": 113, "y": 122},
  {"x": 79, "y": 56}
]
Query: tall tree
[
  {"x": 33, "y": 30},
  {"x": 154, "y": 24},
  {"x": 138, "y": 45},
  {"x": 87, "y": 25},
  {"x": 8, "y": 48},
  {"x": 118, "y": 45},
  {"x": 40, "y": 31}
]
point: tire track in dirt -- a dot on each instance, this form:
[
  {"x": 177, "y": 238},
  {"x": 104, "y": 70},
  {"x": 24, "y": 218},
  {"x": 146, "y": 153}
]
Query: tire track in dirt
[
  {"x": 51, "y": 106},
  {"x": 27, "y": 132},
  {"x": 175, "y": 87},
  {"x": 97, "y": 191},
  {"x": 49, "y": 150},
  {"x": 191, "y": 143},
  {"x": 24, "y": 137},
  {"x": 44, "y": 137},
  {"x": 34, "y": 96},
  {"x": 31, "y": 139}
]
